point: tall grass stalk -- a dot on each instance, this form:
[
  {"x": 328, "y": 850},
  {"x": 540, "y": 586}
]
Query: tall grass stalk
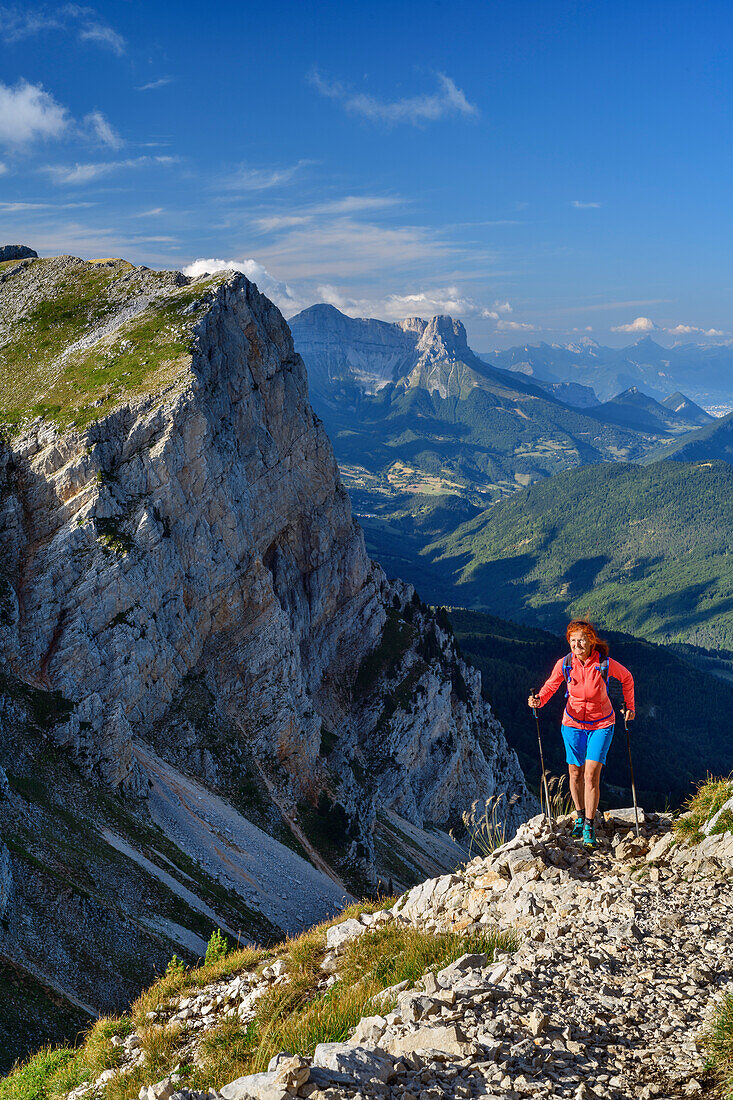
[{"x": 485, "y": 825}]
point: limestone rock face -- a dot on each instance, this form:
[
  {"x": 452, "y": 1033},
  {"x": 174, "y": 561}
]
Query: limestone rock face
[
  {"x": 368, "y": 352},
  {"x": 199, "y": 530},
  {"x": 6, "y": 878}
]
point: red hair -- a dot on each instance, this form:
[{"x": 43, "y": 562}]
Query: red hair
[{"x": 592, "y": 635}]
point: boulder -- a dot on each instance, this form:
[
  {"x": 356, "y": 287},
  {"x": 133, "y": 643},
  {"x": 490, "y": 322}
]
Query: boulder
[
  {"x": 624, "y": 816},
  {"x": 449, "y": 1039},
  {"x": 355, "y": 1061},
  {"x": 339, "y": 934}
]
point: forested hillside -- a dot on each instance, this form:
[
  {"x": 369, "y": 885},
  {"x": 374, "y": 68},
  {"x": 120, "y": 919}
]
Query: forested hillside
[
  {"x": 642, "y": 549},
  {"x": 714, "y": 441}
]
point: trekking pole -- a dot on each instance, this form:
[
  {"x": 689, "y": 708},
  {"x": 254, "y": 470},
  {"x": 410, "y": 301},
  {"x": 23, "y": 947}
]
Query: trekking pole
[
  {"x": 542, "y": 763},
  {"x": 631, "y": 769}
]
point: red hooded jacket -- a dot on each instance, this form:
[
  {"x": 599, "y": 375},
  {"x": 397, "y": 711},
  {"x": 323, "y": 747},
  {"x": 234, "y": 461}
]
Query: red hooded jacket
[{"x": 588, "y": 706}]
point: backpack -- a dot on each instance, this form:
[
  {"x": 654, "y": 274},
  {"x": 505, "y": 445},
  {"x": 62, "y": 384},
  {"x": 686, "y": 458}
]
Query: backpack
[{"x": 567, "y": 666}]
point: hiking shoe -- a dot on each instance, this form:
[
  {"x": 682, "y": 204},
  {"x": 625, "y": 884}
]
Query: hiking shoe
[
  {"x": 577, "y": 829},
  {"x": 589, "y": 835}
]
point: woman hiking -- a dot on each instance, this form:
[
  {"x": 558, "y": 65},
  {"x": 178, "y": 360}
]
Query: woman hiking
[{"x": 588, "y": 721}]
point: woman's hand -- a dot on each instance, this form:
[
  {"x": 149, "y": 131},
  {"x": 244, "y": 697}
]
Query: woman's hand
[
  {"x": 534, "y": 701},
  {"x": 630, "y": 715}
]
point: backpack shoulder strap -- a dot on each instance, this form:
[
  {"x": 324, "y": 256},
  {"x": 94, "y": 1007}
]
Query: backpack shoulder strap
[
  {"x": 567, "y": 666},
  {"x": 604, "y": 669}
]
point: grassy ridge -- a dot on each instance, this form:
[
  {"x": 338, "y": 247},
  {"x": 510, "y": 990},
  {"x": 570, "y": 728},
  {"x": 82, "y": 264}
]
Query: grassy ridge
[{"x": 39, "y": 376}]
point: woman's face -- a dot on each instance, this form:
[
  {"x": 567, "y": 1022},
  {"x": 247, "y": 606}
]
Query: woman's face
[{"x": 580, "y": 645}]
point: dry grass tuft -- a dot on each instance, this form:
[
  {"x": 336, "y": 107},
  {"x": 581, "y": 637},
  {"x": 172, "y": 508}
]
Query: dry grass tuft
[{"x": 709, "y": 797}]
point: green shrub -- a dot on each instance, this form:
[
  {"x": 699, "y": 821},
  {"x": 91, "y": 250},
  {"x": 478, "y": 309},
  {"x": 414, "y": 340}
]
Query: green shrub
[
  {"x": 218, "y": 947},
  {"x": 175, "y": 968}
]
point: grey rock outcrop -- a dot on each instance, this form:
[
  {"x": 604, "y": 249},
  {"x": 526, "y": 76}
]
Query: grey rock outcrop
[
  {"x": 605, "y": 988},
  {"x": 200, "y": 529},
  {"x": 17, "y": 252}
]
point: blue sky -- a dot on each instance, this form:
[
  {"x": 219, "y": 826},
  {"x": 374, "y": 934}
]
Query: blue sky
[{"x": 540, "y": 169}]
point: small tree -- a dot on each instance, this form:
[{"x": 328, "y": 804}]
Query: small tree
[
  {"x": 218, "y": 947},
  {"x": 176, "y": 968}
]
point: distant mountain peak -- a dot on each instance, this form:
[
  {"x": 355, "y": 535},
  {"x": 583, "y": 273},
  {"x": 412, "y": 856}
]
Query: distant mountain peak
[{"x": 444, "y": 338}]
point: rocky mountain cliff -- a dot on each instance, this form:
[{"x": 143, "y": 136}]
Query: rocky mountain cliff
[{"x": 189, "y": 618}]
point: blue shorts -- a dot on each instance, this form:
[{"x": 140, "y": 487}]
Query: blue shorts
[{"x": 582, "y": 745}]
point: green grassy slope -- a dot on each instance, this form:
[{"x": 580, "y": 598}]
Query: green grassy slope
[
  {"x": 682, "y": 731},
  {"x": 642, "y": 549},
  {"x": 78, "y": 338}
]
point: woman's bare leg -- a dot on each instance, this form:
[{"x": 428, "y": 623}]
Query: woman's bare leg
[
  {"x": 577, "y": 786},
  {"x": 592, "y": 787}
]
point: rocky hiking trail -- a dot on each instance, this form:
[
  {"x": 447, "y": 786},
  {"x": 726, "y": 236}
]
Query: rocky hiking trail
[{"x": 621, "y": 955}]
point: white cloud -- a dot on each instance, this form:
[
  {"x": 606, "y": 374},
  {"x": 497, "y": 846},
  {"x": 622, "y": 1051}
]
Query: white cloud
[
  {"x": 431, "y": 302},
  {"x": 641, "y": 324},
  {"x": 691, "y": 330},
  {"x": 260, "y": 179},
  {"x": 683, "y": 330},
  {"x": 17, "y": 24},
  {"x": 102, "y": 35},
  {"x": 343, "y": 247},
  {"x": 102, "y": 130},
  {"x": 3, "y": 168},
  {"x": 585, "y": 205},
  {"x": 497, "y": 309},
  {"x": 273, "y": 222},
  {"x": 86, "y": 173},
  {"x": 153, "y": 84},
  {"x": 152, "y": 213},
  {"x": 514, "y": 326},
  {"x": 417, "y": 110},
  {"x": 28, "y": 113},
  {"x": 395, "y": 307},
  {"x": 350, "y": 204},
  {"x": 280, "y": 293}
]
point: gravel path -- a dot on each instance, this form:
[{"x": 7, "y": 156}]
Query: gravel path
[{"x": 622, "y": 957}]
